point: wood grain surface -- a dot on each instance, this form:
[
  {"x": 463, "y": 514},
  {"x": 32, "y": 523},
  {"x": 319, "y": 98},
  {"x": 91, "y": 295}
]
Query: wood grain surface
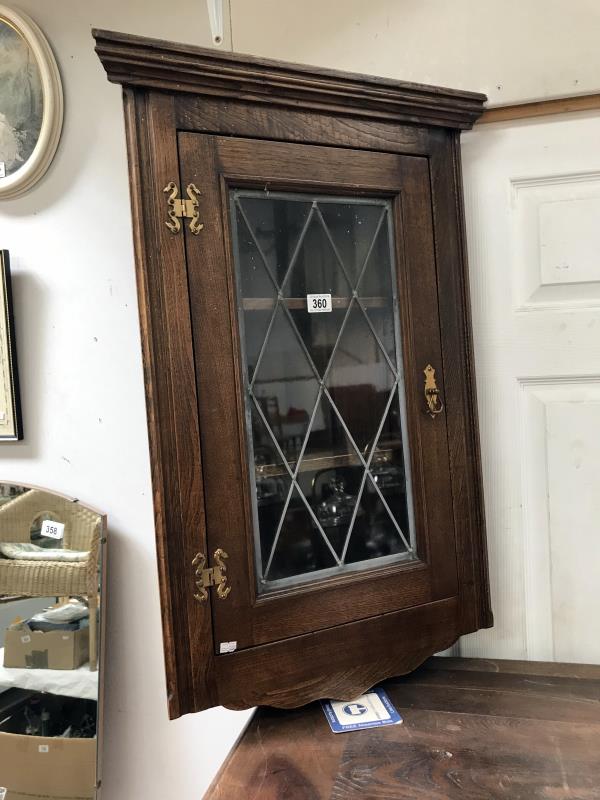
[
  {"x": 244, "y": 618},
  {"x": 541, "y": 108},
  {"x": 473, "y": 729},
  {"x": 170, "y": 66},
  {"x": 216, "y": 119}
]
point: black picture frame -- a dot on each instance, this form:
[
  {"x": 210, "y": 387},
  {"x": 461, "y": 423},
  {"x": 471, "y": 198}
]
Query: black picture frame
[{"x": 11, "y": 426}]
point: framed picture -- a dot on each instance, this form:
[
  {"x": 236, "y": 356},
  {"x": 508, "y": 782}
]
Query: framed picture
[
  {"x": 11, "y": 428},
  {"x": 31, "y": 103}
]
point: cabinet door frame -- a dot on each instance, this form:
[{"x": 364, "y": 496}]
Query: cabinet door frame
[
  {"x": 170, "y": 88},
  {"x": 219, "y": 164}
]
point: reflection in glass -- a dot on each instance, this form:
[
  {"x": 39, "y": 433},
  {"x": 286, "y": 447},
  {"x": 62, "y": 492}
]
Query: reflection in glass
[
  {"x": 51, "y": 560},
  {"x": 324, "y": 391}
]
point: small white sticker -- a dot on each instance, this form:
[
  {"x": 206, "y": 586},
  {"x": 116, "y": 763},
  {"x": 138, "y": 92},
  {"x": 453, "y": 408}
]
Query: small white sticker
[
  {"x": 53, "y": 530},
  {"x": 2, "y": 169},
  {"x": 25, "y": 639},
  {"x": 43, "y": 748},
  {"x": 227, "y": 647},
  {"x": 318, "y": 303}
]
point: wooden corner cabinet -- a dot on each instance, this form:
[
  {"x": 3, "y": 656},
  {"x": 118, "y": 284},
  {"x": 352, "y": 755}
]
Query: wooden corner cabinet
[{"x": 305, "y": 322}]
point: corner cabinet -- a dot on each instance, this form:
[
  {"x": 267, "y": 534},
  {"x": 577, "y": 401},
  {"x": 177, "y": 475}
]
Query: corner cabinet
[{"x": 305, "y": 322}]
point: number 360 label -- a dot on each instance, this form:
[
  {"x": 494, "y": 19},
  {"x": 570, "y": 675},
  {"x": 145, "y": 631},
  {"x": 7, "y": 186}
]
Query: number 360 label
[{"x": 318, "y": 303}]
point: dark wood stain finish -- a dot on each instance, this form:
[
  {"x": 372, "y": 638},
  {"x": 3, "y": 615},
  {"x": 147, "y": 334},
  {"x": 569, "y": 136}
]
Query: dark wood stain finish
[
  {"x": 221, "y": 119},
  {"x": 472, "y": 730},
  {"x": 245, "y": 618},
  {"x": 151, "y": 63}
]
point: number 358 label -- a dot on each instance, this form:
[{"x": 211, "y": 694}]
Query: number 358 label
[
  {"x": 55, "y": 530},
  {"x": 318, "y": 303}
]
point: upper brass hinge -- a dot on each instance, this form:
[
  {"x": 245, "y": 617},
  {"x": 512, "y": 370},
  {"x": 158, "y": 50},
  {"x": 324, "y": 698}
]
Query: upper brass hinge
[
  {"x": 180, "y": 208},
  {"x": 211, "y": 576}
]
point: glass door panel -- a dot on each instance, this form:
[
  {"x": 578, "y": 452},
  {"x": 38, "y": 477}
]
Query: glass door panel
[{"x": 324, "y": 391}]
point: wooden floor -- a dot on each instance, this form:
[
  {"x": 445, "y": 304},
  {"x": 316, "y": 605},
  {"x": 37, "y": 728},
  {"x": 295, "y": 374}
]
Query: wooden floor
[{"x": 473, "y": 730}]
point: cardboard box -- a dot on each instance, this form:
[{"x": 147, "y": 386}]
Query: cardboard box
[
  {"x": 45, "y": 768},
  {"x": 51, "y": 650},
  {"x": 40, "y": 768}
]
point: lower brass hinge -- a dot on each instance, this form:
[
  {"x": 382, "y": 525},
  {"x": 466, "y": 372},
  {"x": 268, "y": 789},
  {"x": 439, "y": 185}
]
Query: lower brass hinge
[
  {"x": 211, "y": 576},
  {"x": 180, "y": 208}
]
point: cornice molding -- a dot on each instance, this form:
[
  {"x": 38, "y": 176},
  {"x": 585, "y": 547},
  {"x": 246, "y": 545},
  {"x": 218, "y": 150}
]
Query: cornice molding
[{"x": 137, "y": 61}]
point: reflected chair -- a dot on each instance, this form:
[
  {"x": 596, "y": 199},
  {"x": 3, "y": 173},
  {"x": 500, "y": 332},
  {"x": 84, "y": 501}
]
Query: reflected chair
[{"x": 27, "y": 577}]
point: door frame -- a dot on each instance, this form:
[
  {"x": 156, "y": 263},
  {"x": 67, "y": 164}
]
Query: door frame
[
  {"x": 170, "y": 88},
  {"x": 247, "y": 617}
]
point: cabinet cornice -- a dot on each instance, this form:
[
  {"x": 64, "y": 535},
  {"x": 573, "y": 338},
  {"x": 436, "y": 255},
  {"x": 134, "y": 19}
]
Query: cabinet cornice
[{"x": 156, "y": 64}]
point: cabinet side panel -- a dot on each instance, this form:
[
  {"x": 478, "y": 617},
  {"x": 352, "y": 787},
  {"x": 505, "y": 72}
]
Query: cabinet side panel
[
  {"x": 170, "y": 397},
  {"x": 476, "y": 503},
  {"x": 459, "y": 374}
]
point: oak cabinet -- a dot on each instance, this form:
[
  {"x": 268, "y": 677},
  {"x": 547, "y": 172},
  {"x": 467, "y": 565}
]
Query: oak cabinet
[{"x": 304, "y": 310}]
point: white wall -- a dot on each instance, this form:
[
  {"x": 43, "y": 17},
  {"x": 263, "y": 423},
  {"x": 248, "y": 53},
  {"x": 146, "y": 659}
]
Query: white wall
[
  {"x": 514, "y": 51},
  {"x": 77, "y": 326}
]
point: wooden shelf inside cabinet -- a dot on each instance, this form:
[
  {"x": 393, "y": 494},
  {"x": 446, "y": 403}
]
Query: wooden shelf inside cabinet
[
  {"x": 268, "y": 303},
  {"x": 325, "y": 460}
]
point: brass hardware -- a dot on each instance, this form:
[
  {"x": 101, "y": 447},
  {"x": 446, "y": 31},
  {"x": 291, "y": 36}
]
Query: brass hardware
[
  {"x": 211, "y": 576},
  {"x": 179, "y": 208},
  {"x": 432, "y": 393}
]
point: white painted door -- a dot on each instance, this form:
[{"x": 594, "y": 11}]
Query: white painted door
[{"x": 532, "y": 193}]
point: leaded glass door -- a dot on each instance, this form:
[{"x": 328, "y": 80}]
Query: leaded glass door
[
  {"x": 315, "y": 313},
  {"x": 324, "y": 388}
]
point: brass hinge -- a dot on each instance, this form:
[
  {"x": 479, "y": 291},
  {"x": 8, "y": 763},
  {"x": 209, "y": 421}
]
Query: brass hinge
[
  {"x": 180, "y": 208},
  {"x": 211, "y": 576}
]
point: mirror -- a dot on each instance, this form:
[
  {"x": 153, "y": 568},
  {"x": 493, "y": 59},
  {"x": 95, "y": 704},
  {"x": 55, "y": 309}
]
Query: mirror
[{"x": 52, "y": 575}]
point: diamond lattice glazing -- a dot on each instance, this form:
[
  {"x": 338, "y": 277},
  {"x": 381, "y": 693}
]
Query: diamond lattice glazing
[{"x": 324, "y": 391}]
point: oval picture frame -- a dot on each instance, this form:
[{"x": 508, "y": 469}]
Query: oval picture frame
[{"x": 38, "y": 161}]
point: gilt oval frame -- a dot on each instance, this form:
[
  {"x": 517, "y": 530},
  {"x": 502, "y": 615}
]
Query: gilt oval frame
[{"x": 53, "y": 106}]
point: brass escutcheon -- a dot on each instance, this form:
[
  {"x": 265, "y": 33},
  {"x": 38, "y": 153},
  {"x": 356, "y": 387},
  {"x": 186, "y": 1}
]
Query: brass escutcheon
[{"x": 432, "y": 393}]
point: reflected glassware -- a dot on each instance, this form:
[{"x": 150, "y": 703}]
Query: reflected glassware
[
  {"x": 269, "y": 488},
  {"x": 302, "y": 555},
  {"x": 338, "y": 506},
  {"x": 322, "y": 389},
  {"x": 381, "y": 541},
  {"x": 303, "y": 551},
  {"x": 386, "y": 474}
]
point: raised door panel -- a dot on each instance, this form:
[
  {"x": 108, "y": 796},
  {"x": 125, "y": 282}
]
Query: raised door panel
[
  {"x": 561, "y": 463},
  {"x": 326, "y": 483}
]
